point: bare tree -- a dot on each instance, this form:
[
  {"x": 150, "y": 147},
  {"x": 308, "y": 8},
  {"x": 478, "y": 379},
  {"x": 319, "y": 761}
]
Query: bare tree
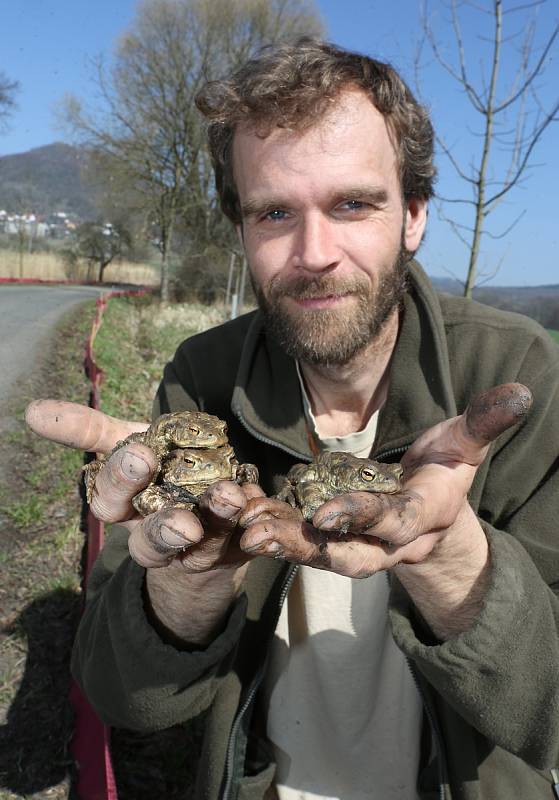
[
  {"x": 146, "y": 129},
  {"x": 8, "y": 91},
  {"x": 100, "y": 243},
  {"x": 513, "y": 117}
]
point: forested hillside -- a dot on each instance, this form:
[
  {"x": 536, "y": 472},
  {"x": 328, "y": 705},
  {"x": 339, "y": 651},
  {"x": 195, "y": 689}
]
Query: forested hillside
[{"x": 44, "y": 180}]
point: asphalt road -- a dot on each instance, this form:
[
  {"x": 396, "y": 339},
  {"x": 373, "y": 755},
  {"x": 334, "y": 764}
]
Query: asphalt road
[{"x": 28, "y": 315}]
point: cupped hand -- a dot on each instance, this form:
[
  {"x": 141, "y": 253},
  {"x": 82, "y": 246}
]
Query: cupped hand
[
  {"x": 168, "y": 536},
  {"x": 360, "y": 533}
]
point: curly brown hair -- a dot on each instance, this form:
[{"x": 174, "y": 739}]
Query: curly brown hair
[{"x": 291, "y": 86}]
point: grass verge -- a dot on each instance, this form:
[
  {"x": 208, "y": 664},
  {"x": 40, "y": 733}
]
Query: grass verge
[{"x": 135, "y": 341}]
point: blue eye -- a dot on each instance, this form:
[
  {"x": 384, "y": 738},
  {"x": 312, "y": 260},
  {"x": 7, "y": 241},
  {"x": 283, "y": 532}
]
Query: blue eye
[
  {"x": 355, "y": 205},
  {"x": 276, "y": 215}
]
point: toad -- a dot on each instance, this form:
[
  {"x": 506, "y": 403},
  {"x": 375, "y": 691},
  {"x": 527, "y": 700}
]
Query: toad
[
  {"x": 308, "y": 486},
  {"x": 187, "y": 473},
  {"x": 193, "y": 452}
]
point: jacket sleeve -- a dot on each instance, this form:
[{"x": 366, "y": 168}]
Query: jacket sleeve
[
  {"x": 131, "y": 677},
  {"x": 501, "y": 674}
]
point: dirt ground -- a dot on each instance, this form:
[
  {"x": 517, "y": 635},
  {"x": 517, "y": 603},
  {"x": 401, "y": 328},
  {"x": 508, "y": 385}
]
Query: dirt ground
[{"x": 41, "y": 547}]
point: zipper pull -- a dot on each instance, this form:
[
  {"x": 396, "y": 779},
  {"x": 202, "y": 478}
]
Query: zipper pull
[{"x": 555, "y": 784}]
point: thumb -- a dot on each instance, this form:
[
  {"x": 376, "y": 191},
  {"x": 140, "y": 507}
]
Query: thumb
[
  {"x": 492, "y": 412},
  {"x": 465, "y": 439}
]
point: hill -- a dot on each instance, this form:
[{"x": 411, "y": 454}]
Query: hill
[
  {"x": 44, "y": 180},
  {"x": 539, "y": 302}
]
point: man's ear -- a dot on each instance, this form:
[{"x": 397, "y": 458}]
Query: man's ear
[{"x": 416, "y": 219}]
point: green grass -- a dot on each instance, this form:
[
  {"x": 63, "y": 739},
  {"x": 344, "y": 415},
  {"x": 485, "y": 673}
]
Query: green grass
[
  {"x": 135, "y": 341},
  {"x": 27, "y": 512},
  {"x": 555, "y": 335}
]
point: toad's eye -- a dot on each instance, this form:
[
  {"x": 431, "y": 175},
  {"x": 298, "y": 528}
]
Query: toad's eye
[
  {"x": 189, "y": 462},
  {"x": 194, "y": 430},
  {"x": 368, "y": 474}
]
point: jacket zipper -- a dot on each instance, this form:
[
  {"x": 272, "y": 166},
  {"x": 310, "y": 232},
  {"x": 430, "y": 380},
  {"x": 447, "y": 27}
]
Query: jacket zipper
[
  {"x": 266, "y": 440},
  {"x": 231, "y": 747},
  {"x": 428, "y": 712},
  {"x": 434, "y": 729},
  {"x": 285, "y": 589}
]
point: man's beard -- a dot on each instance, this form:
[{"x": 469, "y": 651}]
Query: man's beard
[{"x": 332, "y": 336}]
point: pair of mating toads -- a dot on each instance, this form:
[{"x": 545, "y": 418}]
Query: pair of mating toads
[{"x": 194, "y": 453}]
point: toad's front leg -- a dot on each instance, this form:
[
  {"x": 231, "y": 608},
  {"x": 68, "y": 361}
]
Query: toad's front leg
[
  {"x": 246, "y": 473},
  {"x": 156, "y": 498},
  {"x": 310, "y": 496}
]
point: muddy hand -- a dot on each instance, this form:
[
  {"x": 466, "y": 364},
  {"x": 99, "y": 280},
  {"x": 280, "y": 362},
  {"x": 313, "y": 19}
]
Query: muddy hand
[
  {"x": 165, "y": 536},
  {"x": 127, "y": 472},
  {"x": 379, "y": 531},
  {"x": 175, "y": 535}
]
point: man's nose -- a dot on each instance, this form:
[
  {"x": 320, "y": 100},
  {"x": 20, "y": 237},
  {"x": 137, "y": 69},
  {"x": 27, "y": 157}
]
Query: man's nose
[{"x": 316, "y": 247}]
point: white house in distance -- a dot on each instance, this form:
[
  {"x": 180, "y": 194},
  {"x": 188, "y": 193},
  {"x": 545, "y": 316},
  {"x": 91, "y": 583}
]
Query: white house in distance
[{"x": 54, "y": 226}]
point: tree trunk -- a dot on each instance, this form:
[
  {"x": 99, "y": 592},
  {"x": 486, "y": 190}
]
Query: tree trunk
[
  {"x": 164, "y": 285},
  {"x": 482, "y": 175},
  {"x": 102, "y": 267}
]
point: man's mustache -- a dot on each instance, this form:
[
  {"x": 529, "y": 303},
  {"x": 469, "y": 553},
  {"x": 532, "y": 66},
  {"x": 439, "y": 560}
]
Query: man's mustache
[{"x": 301, "y": 288}]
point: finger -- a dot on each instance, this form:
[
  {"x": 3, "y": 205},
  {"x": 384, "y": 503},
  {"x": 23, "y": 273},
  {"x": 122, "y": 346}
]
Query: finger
[
  {"x": 261, "y": 508},
  {"x": 222, "y": 503},
  {"x": 129, "y": 470},
  {"x": 78, "y": 426},
  {"x": 252, "y": 490},
  {"x": 301, "y": 543},
  {"x": 396, "y": 519},
  {"x": 492, "y": 412},
  {"x": 159, "y": 538},
  {"x": 465, "y": 439}
]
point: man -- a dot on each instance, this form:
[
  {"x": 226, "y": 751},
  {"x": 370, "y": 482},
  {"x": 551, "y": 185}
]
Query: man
[{"x": 324, "y": 163}]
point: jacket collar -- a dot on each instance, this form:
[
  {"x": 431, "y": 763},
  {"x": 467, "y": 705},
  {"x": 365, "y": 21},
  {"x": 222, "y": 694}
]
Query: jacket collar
[{"x": 267, "y": 397}]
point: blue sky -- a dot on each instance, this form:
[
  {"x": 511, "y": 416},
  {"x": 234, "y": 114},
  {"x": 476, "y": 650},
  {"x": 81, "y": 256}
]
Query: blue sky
[{"x": 46, "y": 46}]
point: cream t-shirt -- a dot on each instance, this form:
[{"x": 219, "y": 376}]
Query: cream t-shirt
[{"x": 344, "y": 713}]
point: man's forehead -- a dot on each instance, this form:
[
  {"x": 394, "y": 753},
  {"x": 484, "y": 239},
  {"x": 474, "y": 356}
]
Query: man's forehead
[
  {"x": 348, "y": 105},
  {"x": 350, "y": 125}
]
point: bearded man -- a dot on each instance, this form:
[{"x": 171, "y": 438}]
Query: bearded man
[{"x": 414, "y": 654}]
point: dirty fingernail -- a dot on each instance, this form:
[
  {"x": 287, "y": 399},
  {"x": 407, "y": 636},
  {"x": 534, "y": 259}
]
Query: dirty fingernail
[
  {"x": 173, "y": 538},
  {"x": 134, "y": 467},
  {"x": 337, "y": 522},
  {"x": 264, "y": 546}
]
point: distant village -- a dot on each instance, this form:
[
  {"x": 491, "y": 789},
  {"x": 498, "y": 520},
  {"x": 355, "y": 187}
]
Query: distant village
[{"x": 58, "y": 225}]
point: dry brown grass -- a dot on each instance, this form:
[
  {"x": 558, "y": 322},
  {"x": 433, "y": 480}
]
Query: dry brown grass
[{"x": 51, "y": 267}]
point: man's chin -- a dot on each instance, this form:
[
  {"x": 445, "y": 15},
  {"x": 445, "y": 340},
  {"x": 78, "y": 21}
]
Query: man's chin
[{"x": 320, "y": 337}]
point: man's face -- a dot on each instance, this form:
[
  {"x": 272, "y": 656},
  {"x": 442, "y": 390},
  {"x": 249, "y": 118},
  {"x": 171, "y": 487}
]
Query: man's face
[{"x": 324, "y": 229}]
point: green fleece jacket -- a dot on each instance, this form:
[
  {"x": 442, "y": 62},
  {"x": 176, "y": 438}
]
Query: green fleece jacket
[{"x": 491, "y": 695}]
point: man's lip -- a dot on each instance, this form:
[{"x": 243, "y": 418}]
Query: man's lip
[{"x": 326, "y": 301}]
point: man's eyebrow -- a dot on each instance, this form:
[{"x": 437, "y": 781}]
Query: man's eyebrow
[
  {"x": 252, "y": 208},
  {"x": 373, "y": 194},
  {"x": 376, "y": 195}
]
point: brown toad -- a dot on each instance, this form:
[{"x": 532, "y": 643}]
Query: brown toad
[
  {"x": 187, "y": 473},
  {"x": 308, "y": 486},
  {"x": 170, "y": 435}
]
